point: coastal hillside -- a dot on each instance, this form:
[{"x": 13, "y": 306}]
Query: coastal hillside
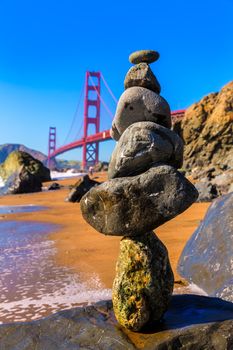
[
  {"x": 7, "y": 148},
  {"x": 58, "y": 164}
]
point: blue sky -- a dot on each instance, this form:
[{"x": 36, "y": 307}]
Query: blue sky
[{"x": 47, "y": 46}]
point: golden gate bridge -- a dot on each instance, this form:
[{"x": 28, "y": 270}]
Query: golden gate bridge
[{"x": 90, "y": 142}]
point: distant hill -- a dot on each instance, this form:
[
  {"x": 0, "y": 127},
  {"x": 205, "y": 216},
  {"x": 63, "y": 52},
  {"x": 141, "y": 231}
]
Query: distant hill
[
  {"x": 7, "y": 148},
  {"x": 59, "y": 164}
]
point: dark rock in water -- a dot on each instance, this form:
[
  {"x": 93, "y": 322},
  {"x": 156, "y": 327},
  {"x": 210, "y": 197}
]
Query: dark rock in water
[
  {"x": 144, "y": 281},
  {"x": 141, "y": 146},
  {"x": 138, "y": 104},
  {"x": 21, "y": 181},
  {"x": 18, "y": 160},
  {"x": 191, "y": 323},
  {"x": 54, "y": 186},
  {"x": 207, "y": 259},
  {"x": 207, "y": 191},
  {"x": 131, "y": 206},
  {"x": 81, "y": 187},
  {"x": 148, "y": 56},
  {"x": 142, "y": 75}
]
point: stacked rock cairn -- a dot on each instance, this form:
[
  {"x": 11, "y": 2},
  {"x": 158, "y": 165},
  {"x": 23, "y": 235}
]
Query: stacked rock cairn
[{"x": 144, "y": 190}]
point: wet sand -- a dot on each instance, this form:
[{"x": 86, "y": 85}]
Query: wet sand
[{"x": 85, "y": 250}]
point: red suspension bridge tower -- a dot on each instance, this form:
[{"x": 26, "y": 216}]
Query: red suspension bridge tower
[{"x": 91, "y": 117}]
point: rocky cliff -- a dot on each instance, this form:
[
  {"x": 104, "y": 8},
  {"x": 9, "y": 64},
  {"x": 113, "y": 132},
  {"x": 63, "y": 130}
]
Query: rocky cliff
[{"x": 207, "y": 130}]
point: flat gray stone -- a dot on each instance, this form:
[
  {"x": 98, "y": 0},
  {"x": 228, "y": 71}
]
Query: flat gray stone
[
  {"x": 144, "y": 281},
  {"x": 138, "y": 104},
  {"x": 142, "y": 145},
  {"x": 147, "y": 56},
  {"x": 135, "y": 205},
  {"x": 207, "y": 259},
  {"x": 142, "y": 75},
  {"x": 191, "y": 322}
]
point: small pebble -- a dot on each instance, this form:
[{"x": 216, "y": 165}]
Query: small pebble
[{"x": 147, "y": 56}]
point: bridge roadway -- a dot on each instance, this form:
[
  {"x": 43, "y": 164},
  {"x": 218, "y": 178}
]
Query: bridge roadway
[{"x": 98, "y": 137}]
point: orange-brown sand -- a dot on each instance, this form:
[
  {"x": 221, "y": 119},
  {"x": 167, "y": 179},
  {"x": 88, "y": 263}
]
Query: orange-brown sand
[{"x": 84, "y": 249}]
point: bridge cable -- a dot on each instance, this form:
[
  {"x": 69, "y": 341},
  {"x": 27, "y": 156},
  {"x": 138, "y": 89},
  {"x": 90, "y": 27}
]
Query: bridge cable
[
  {"x": 75, "y": 114},
  {"x": 108, "y": 88},
  {"x": 78, "y": 133},
  {"x": 102, "y": 100}
]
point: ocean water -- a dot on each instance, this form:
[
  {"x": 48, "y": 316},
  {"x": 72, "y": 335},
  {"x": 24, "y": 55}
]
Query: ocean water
[
  {"x": 56, "y": 175},
  {"x": 1, "y": 182},
  {"x": 32, "y": 285},
  {"x": 12, "y": 209}
]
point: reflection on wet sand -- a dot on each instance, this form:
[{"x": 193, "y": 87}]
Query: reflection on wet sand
[{"x": 31, "y": 284}]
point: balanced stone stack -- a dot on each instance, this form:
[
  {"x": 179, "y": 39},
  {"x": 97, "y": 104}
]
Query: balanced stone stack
[{"x": 144, "y": 191}]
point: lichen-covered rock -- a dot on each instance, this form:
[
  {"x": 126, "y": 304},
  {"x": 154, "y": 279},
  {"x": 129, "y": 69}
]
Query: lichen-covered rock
[
  {"x": 18, "y": 160},
  {"x": 142, "y": 75},
  {"x": 138, "y": 104},
  {"x": 135, "y": 205},
  {"x": 147, "y": 56},
  {"x": 207, "y": 257},
  {"x": 81, "y": 187},
  {"x": 144, "y": 281},
  {"x": 141, "y": 146}
]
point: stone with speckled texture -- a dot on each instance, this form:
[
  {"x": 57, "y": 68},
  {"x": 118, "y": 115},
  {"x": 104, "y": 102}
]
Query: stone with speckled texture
[
  {"x": 143, "y": 145},
  {"x": 144, "y": 281}
]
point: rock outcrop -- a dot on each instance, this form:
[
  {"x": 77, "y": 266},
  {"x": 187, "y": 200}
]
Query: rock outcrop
[
  {"x": 81, "y": 187},
  {"x": 207, "y": 130},
  {"x": 207, "y": 259},
  {"x": 144, "y": 191},
  {"x": 192, "y": 322},
  {"x": 23, "y": 174}
]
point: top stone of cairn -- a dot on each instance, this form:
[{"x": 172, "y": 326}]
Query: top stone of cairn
[{"x": 147, "y": 56}]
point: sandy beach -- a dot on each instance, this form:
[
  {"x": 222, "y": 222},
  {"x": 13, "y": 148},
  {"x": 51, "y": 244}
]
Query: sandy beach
[{"x": 81, "y": 247}]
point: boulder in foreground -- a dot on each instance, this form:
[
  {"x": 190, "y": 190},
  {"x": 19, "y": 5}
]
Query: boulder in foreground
[
  {"x": 207, "y": 259},
  {"x": 209, "y": 326}
]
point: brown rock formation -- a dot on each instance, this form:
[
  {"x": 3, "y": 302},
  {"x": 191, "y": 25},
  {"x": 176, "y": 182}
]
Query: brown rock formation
[{"x": 207, "y": 130}]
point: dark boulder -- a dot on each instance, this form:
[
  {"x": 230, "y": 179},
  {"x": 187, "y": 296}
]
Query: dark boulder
[
  {"x": 207, "y": 259},
  {"x": 81, "y": 187},
  {"x": 191, "y": 322},
  {"x": 21, "y": 181},
  {"x": 135, "y": 205},
  {"x": 54, "y": 186}
]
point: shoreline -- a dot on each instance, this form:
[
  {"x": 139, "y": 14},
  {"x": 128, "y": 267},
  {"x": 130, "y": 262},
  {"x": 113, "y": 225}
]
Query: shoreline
[{"x": 87, "y": 251}]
